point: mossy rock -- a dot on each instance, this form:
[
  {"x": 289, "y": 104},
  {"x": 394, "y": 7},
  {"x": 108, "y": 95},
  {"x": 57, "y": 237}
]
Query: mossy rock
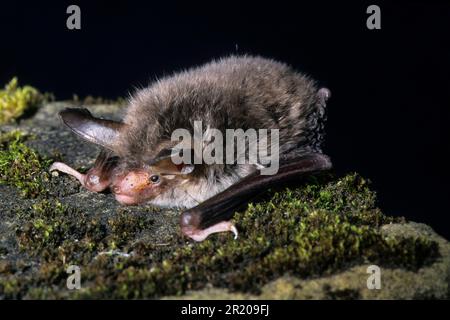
[
  {"x": 428, "y": 282},
  {"x": 313, "y": 240}
]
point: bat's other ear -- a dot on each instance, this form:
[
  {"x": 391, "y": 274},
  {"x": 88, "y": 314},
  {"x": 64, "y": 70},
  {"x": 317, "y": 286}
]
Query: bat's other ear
[
  {"x": 323, "y": 94},
  {"x": 164, "y": 163},
  {"x": 99, "y": 131}
]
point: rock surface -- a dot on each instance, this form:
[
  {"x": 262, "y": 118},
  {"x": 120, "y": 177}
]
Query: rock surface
[
  {"x": 31, "y": 268},
  {"x": 431, "y": 282}
]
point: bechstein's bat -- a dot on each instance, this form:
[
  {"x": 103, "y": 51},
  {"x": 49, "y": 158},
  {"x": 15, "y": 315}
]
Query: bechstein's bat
[{"x": 239, "y": 92}]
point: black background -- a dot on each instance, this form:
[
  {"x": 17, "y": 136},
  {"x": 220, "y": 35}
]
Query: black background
[
  {"x": 390, "y": 87},
  {"x": 171, "y": 309}
]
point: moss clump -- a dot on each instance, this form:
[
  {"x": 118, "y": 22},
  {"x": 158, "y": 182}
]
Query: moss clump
[
  {"x": 15, "y": 100},
  {"x": 21, "y": 166}
]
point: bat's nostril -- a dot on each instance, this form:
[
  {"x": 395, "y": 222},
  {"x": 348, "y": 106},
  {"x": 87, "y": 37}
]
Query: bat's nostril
[{"x": 116, "y": 189}]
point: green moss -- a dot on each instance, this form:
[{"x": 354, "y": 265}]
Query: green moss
[
  {"x": 296, "y": 232},
  {"x": 21, "y": 166},
  {"x": 15, "y": 100},
  {"x": 52, "y": 231},
  {"x": 328, "y": 225},
  {"x": 125, "y": 226},
  {"x": 56, "y": 231}
]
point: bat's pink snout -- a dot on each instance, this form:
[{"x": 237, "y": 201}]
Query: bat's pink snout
[{"x": 131, "y": 188}]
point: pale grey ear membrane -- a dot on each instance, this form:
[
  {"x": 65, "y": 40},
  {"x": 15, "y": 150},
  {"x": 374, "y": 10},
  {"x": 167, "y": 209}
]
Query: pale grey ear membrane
[{"x": 98, "y": 131}]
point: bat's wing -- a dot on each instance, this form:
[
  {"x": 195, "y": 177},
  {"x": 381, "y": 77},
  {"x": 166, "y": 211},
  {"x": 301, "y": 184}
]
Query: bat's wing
[{"x": 214, "y": 211}]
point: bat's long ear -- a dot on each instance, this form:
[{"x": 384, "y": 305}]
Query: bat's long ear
[
  {"x": 99, "y": 131},
  {"x": 164, "y": 162}
]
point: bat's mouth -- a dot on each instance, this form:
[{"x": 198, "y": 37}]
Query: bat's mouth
[
  {"x": 132, "y": 188},
  {"x": 126, "y": 199}
]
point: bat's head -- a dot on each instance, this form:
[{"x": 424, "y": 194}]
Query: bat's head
[
  {"x": 138, "y": 176},
  {"x": 144, "y": 181}
]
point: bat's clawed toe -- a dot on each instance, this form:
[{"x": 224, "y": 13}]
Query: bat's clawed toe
[
  {"x": 201, "y": 234},
  {"x": 190, "y": 227}
]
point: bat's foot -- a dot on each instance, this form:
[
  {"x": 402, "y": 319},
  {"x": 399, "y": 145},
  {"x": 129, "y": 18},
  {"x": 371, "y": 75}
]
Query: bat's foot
[{"x": 202, "y": 234}]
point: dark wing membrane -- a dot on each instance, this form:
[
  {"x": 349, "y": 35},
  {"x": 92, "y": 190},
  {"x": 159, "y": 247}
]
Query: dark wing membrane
[{"x": 222, "y": 206}]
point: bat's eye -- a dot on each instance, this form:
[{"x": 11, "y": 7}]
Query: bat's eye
[{"x": 154, "y": 178}]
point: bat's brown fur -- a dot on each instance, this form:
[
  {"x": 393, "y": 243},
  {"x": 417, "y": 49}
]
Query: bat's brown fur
[{"x": 235, "y": 92}]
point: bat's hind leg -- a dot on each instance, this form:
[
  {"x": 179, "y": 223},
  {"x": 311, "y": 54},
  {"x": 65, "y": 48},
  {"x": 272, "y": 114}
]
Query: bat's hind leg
[
  {"x": 214, "y": 214},
  {"x": 98, "y": 178},
  {"x": 199, "y": 234}
]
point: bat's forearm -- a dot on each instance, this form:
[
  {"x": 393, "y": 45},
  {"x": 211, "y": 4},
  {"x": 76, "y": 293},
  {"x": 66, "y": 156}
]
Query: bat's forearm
[{"x": 221, "y": 207}]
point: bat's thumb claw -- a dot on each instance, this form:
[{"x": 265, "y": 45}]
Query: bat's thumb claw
[
  {"x": 234, "y": 230},
  {"x": 54, "y": 167},
  {"x": 62, "y": 167}
]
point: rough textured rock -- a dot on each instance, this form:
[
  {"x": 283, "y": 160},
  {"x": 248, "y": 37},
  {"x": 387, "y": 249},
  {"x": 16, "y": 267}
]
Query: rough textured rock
[
  {"x": 137, "y": 252},
  {"x": 430, "y": 282}
]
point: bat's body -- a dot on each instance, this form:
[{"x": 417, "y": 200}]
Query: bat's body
[{"x": 232, "y": 93}]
